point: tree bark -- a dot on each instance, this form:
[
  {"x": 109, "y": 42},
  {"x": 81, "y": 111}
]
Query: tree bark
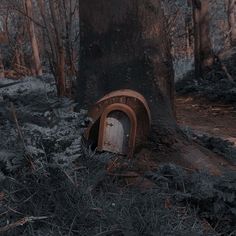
[
  {"x": 203, "y": 53},
  {"x": 125, "y": 45},
  {"x": 2, "y": 75},
  {"x": 188, "y": 37},
  {"x": 34, "y": 43},
  {"x": 232, "y": 21},
  {"x": 197, "y": 58},
  {"x": 61, "y": 72}
]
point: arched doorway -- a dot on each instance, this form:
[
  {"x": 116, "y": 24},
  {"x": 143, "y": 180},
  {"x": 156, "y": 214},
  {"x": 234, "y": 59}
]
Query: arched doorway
[
  {"x": 117, "y": 132},
  {"x": 129, "y": 112},
  {"x": 118, "y": 127}
]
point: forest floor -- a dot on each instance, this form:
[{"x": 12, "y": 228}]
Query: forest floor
[
  {"x": 51, "y": 184},
  {"x": 206, "y": 112},
  {"x": 211, "y": 124},
  {"x": 216, "y": 119}
]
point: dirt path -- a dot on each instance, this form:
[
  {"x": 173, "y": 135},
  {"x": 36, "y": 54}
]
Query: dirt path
[{"x": 215, "y": 119}]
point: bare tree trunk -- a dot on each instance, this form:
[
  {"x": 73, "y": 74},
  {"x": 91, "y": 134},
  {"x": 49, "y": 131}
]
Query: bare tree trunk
[
  {"x": 61, "y": 73},
  {"x": 206, "y": 47},
  {"x": 232, "y": 21},
  {"x": 60, "y": 50},
  {"x": 2, "y": 75},
  {"x": 48, "y": 38},
  {"x": 60, "y": 26},
  {"x": 34, "y": 43},
  {"x": 203, "y": 49},
  {"x": 197, "y": 42},
  {"x": 19, "y": 57}
]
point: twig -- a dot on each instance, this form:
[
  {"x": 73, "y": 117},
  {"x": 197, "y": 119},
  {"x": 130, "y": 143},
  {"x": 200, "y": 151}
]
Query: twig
[
  {"x": 29, "y": 159},
  {"x": 112, "y": 165},
  {"x": 9, "y": 84},
  {"x": 232, "y": 233},
  {"x": 224, "y": 68},
  {"x": 17, "y": 123},
  {"x": 21, "y": 222},
  {"x": 127, "y": 174},
  {"x": 24, "y": 14},
  {"x": 71, "y": 226},
  {"x": 14, "y": 210},
  {"x": 70, "y": 179},
  {"x": 110, "y": 232}
]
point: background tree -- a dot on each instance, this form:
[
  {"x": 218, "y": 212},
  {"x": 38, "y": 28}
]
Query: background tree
[
  {"x": 33, "y": 39},
  {"x": 61, "y": 39},
  {"x": 203, "y": 53},
  {"x": 1, "y": 67},
  {"x": 48, "y": 29}
]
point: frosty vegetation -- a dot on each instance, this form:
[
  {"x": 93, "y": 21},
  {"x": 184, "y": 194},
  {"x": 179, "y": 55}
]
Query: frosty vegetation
[{"x": 50, "y": 184}]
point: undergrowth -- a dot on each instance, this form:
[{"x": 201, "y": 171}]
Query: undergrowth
[{"x": 51, "y": 184}]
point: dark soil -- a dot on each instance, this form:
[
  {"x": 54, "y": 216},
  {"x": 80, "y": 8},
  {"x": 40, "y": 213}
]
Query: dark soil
[{"x": 212, "y": 124}]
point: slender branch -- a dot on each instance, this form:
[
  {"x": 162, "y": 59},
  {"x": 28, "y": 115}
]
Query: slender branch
[
  {"x": 21, "y": 222},
  {"x": 28, "y": 157},
  {"x": 24, "y": 14}
]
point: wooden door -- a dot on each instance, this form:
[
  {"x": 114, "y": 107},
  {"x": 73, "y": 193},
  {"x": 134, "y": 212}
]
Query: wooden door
[{"x": 117, "y": 132}]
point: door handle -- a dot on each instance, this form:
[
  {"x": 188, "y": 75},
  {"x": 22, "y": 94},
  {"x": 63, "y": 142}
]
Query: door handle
[{"x": 109, "y": 124}]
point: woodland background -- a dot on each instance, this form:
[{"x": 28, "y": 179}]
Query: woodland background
[
  {"x": 42, "y": 35},
  {"x": 51, "y": 183}
]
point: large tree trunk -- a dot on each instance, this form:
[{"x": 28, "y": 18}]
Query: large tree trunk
[
  {"x": 124, "y": 45},
  {"x": 34, "y": 43},
  {"x": 203, "y": 53}
]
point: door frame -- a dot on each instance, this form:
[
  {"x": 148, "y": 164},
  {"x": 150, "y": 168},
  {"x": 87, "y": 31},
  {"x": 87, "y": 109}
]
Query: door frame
[{"x": 133, "y": 123}]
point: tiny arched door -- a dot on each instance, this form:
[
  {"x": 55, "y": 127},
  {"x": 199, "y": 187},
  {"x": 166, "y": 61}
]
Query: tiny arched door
[{"x": 117, "y": 132}]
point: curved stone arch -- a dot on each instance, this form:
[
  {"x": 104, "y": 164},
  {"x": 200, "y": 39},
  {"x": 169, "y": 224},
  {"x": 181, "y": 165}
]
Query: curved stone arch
[{"x": 133, "y": 121}]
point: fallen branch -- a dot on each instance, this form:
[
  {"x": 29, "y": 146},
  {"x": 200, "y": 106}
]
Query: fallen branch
[
  {"x": 21, "y": 222},
  {"x": 110, "y": 232},
  {"x": 9, "y": 84}
]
